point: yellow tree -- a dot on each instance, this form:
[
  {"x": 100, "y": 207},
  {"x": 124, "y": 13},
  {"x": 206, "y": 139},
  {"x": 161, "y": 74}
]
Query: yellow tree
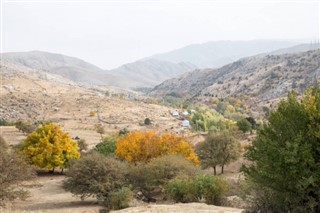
[
  {"x": 49, "y": 147},
  {"x": 143, "y": 146}
]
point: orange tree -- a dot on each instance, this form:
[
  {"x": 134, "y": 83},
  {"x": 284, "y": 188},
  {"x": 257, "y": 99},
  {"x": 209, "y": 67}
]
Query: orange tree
[
  {"x": 142, "y": 146},
  {"x": 49, "y": 147}
]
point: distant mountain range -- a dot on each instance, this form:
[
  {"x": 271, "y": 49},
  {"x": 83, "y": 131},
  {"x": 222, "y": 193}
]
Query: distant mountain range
[
  {"x": 215, "y": 54},
  {"x": 149, "y": 72}
]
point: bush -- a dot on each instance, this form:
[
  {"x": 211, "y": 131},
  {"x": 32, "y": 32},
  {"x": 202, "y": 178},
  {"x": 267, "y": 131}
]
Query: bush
[
  {"x": 119, "y": 199},
  {"x": 95, "y": 175},
  {"x": 108, "y": 145},
  {"x": 154, "y": 175},
  {"x": 147, "y": 121},
  {"x": 82, "y": 145},
  {"x": 200, "y": 187},
  {"x": 13, "y": 170}
]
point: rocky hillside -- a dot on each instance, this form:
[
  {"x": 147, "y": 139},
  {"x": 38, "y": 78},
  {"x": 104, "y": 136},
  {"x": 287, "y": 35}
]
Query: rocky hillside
[
  {"x": 263, "y": 77},
  {"x": 215, "y": 54}
]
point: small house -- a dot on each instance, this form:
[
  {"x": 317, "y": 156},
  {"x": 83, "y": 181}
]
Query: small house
[
  {"x": 185, "y": 113},
  {"x": 175, "y": 114},
  {"x": 185, "y": 123}
]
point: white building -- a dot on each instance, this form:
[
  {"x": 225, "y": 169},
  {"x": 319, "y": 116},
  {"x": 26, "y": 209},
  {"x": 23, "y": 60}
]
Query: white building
[
  {"x": 175, "y": 114},
  {"x": 185, "y": 123}
]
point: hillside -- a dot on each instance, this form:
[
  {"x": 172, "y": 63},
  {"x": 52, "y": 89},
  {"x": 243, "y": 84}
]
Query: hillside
[
  {"x": 262, "y": 77},
  {"x": 149, "y": 73},
  {"x": 68, "y": 67},
  {"x": 30, "y": 94},
  {"x": 215, "y": 54}
]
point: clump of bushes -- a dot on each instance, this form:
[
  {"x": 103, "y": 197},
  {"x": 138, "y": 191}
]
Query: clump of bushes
[
  {"x": 153, "y": 176},
  {"x": 200, "y": 187}
]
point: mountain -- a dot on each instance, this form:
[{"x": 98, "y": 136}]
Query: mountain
[
  {"x": 149, "y": 73},
  {"x": 295, "y": 49},
  {"x": 69, "y": 67},
  {"x": 263, "y": 77},
  {"x": 215, "y": 54}
]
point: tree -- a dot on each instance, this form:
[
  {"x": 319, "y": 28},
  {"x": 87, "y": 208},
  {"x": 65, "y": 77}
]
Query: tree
[
  {"x": 244, "y": 125},
  {"x": 95, "y": 175},
  {"x": 108, "y": 145},
  {"x": 219, "y": 148},
  {"x": 48, "y": 147},
  {"x": 286, "y": 156},
  {"x": 13, "y": 170},
  {"x": 147, "y": 121},
  {"x": 143, "y": 146}
]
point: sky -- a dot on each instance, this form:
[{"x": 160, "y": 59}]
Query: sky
[{"x": 111, "y": 33}]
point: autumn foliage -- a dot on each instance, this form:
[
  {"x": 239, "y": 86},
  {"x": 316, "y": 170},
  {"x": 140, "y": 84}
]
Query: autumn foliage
[
  {"x": 49, "y": 147},
  {"x": 143, "y": 146}
]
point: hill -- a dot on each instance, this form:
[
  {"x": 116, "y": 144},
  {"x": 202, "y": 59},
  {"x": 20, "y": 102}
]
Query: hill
[
  {"x": 149, "y": 73},
  {"x": 215, "y": 54},
  {"x": 261, "y": 77},
  {"x": 68, "y": 67}
]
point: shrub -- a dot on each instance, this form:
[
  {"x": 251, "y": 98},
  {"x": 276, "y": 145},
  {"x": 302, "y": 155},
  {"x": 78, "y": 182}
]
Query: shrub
[
  {"x": 119, "y": 199},
  {"x": 82, "y": 145},
  {"x": 95, "y": 175},
  {"x": 201, "y": 186},
  {"x": 154, "y": 175},
  {"x": 13, "y": 170},
  {"x": 147, "y": 121},
  {"x": 108, "y": 145}
]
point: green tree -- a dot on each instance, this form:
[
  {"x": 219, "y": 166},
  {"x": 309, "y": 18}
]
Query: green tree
[
  {"x": 48, "y": 147},
  {"x": 286, "y": 157},
  {"x": 219, "y": 149},
  {"x": 95, "y": 175},
  {"x": 108, "y": 144},
  {"x": 244, "y": 125}
]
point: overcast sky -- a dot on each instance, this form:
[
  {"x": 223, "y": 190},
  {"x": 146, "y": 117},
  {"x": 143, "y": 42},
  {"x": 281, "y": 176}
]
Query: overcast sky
[{"x": 111, "y": 33}]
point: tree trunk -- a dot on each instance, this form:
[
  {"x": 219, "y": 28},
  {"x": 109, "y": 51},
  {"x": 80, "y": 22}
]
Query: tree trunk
[
  {"x": 222, "y": 167},
  {"x": 214, "y": 170}
]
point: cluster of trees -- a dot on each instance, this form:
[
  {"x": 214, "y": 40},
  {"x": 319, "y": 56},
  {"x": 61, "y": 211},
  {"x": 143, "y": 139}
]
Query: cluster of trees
[
  {"x": 142, "y": 146},
  {"x": 205, "y": 119}
]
